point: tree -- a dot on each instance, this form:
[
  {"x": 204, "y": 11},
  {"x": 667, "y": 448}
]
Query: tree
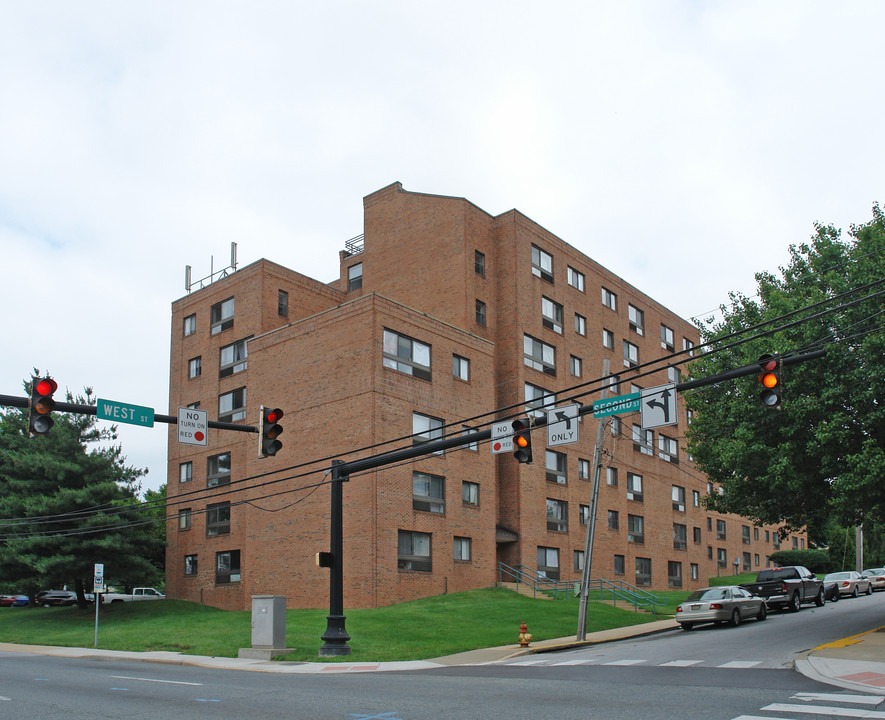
[
  {"x": 64, "y": 507},
  {"x": 823, "y": 454}
]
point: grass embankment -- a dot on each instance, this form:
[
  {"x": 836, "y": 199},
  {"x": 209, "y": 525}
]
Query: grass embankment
[{"x": 416, "y": 630}]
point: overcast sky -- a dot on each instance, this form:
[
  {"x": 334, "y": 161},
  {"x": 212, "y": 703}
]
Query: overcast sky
[{"x": 683, "y": 145}]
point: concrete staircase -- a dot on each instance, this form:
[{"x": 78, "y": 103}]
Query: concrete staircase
[{"x": 525, "y": 589}]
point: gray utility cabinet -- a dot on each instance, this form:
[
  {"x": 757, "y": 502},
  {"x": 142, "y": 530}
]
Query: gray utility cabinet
[{"x": 268, "y": 621}]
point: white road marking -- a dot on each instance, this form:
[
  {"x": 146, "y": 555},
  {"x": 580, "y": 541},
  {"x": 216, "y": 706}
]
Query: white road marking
[
  {"x": 624, "y": 662},
  {"x": 680, "y": 663},
  {"x": 836, "y": 697},
  {"x": 831, "y": 711},
  {"x": 168, "y": 682},
  {"x": 740, "y": 664}
]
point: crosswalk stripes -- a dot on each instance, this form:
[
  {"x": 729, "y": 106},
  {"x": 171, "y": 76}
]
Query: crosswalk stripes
[{"x": 805, "y": 708}]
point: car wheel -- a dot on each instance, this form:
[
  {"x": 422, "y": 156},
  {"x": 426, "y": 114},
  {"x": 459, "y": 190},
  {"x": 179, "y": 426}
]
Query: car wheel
[
  {"x": 820, "y": 600},
  {"x": 836, "y": 596},
  {"x": 870, "y": 589},
  {"x": 855, "y": 592},
  {"x": 795, "y": 603},
  {"x": 763, "y": 612},
  {"x": 686, "y": 626},
  {"x": 735, "y": 618}
]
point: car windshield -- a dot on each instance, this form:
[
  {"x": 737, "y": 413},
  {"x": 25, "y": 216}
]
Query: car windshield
[{"x": 708, "y": 594}]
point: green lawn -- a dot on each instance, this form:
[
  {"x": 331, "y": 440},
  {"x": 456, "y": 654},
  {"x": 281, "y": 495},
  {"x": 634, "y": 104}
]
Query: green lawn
[{"x": 417, "y": 630}]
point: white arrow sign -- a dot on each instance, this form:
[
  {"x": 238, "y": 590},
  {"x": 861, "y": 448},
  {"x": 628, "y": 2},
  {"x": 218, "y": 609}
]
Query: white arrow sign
[
  {"x": 562, "y": 426},
  {"x": 657, "y": 406}
]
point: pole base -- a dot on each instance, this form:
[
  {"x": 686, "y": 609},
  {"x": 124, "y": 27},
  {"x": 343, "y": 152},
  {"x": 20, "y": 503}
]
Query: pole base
[{"x": 336, "y": 637}]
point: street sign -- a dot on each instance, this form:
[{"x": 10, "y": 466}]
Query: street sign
[
  {"x": 614, "y": 405},
  {"x": 193, "y": 426},
  {"x": 562, "y": 426},
  {"x": 658, "y": 406},
  {"x": 502, "y": 437},
  {"x": 124, "y": 413},
  {"x": 98, "y": 578}
]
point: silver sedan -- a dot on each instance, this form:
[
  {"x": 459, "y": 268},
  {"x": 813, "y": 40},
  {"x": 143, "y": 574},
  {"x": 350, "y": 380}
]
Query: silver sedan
[
  {"x": 851, "y": 582},
  {"x": 728, "y": 603}
]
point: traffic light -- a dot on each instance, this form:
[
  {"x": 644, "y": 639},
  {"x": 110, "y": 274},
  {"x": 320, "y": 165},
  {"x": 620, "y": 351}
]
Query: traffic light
[
  {"x": 522, "y": 441},
  {"x": 269, "y": 432},
  {"x": 771, "y": 381},
  {"x": 40, "y": 420}
]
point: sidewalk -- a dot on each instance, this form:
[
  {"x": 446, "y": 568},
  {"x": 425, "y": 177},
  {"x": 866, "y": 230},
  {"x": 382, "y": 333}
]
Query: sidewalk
[{"x": 856, "y": 663}]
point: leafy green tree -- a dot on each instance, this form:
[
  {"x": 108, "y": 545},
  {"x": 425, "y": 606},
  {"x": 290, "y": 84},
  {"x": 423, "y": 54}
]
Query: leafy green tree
[
  {"x": 65, "y": 506},
  {"x": 823, "y": 454}
]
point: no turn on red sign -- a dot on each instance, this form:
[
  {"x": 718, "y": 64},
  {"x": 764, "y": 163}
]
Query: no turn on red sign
[{"x": 193, "y": 426}]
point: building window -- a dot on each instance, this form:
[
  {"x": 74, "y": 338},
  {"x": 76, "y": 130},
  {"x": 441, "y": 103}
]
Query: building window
[
  {"x": 634, "y": 487},
  {"x": 218, "y": 470},
  {"x": 674, "y": 574},
  {"x": 232, "y": 406},
  {"x": 745, "y": 534},
  {"x": 414, "y": 551},
  {"x": 576, "y": 366},
  {"x": 631, "y": 354},
  {"x": 190, "y": 565},
  {"x": 557, "y": 515},
  {"x": 551, "y": 315},
  {"x": 583, "y": 469},
  {"x": 232, "y": 359},
  {"x": 696, "y": 535},
  {"x": 583, "y": 514},
  {"x": 190, "y": 325},
  {"x": 720, "y": 529},
  {"x": 218, "y": 519},
  {"x": 694, "y": 570},
  {"x": 537, "y": 400},
  {"x": 776, "y": 541},
  {"x": 688, "y": 346},
  {"x": 462, "y": 549},
  {"x": 539, "y": 355},
  {"x": 461, "y": 368},
  {"x": 425, "y": 428},
  {"x": 745, "y": 557},
  {"x": 721, "y": 558},
  {"x": 479, "y": 263},
  {"x": 695, "y": 498},
  {"x": 643, "y": 571},
  {"x": 678, "y": 495},
  {"x": 615, "y": 425},
  {"x": 667, "y": 341},
  {"x": 576, "y": 279},
  {"x": 611, "y": 476},
  {"x": 674, "y": 375},
  {"x": 637, "y": 319},
  {"x": 195, "y": 367},
  {"x": 608, "y": 339},
  {"x": 619, "y": 566},
  {"x": 470, "y": 493},
  {"x": 680, "y": 536},
  {"x": 635, "y": 529},
  {"x": 668, "y": 449},
  {"x": 580, "y": 325},
  {"x": 548, "y": 562},
  {"x": 609, "y": 299},
  {"x": 282, "y": 303},
  {"x": 542, "y": 264},
  {"x": 428, "y": 492},
  {"x": 184, "y": 519},
  {"x": 355, "y": 277},
  {"x": 185, "y": 472},
  {"x": 755, "y": 533},
  {"x": 643, "y": 440},
  {"x": 613, "y": 520},
  {"x": 480, "y": 313},
  {"x": 406, "y": 355},
  {"x": 474, "y": 446},
  {"x": 579, "y": 560},
  {"x": 227, "y": 567},
  {"x": 556, "y": 463},
  {"x": 221, "y": 316}
]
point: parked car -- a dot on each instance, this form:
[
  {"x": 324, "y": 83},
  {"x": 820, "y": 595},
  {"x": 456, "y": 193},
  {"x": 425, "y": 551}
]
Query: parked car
[
  {"x": 831, "y": 591},
  {"x": 876, "y": 576},
  {"x": 787, "y": 587},
  {"x": 14, "y": 600},
  {"x": 139, "y": 593},
  {"x": 851, "y": 582},
  {"x": 729, "y": 603},
  {"x": 56, "y": 598}
]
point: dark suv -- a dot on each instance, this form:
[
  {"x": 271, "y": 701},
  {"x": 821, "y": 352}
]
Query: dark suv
[{"x": 55, "y": 598}]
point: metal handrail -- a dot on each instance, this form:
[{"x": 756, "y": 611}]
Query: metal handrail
[{"x": 608, "y": 590}]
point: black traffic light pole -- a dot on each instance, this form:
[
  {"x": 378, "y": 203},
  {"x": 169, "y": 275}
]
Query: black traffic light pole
[{"x": 336, "y": 636}]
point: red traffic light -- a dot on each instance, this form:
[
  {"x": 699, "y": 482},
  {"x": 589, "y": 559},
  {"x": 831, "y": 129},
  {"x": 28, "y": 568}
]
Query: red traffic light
[
  {"x": 269, "y": 431},
  {"x": 40, "y": 419},
  {"x": 46, "y": 386},
  {"x": 522, "y": 439},
  {"x": 273, "y": 416}
]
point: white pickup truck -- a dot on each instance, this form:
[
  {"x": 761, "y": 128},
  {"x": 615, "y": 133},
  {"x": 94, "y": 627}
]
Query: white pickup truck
[{"x": 139, "y": 593}]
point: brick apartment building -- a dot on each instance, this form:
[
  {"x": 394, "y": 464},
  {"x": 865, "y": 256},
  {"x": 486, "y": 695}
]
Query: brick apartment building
[{"x": 441, "y": 314}]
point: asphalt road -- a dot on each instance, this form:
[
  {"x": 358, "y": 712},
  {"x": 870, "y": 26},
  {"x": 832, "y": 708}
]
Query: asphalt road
[{"x": 573, "y": 684}]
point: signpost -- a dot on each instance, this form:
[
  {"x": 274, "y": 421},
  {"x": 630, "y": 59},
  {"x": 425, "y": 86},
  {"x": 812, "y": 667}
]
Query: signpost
[
  {"x": 562, "y": 425},
  {"x": 124, "y": 413},
  {"x": 97, "y": 587},
  {"x": 193, "y": 426},
  {"x": 618, "y": 404}
]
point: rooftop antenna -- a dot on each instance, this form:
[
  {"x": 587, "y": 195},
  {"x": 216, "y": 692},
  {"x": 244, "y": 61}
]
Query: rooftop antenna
[{"x": 232, "y": 268}]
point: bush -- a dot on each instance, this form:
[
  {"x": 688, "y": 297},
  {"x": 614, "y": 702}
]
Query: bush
[{"x": 818, "y": 561}]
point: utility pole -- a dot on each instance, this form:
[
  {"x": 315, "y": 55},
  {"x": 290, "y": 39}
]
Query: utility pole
[
  {"x": 591, "y": 525},
  {"x": 336, "y": 636}
]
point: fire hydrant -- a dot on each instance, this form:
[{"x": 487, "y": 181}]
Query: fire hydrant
[{"x": 525, "y": 637}]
